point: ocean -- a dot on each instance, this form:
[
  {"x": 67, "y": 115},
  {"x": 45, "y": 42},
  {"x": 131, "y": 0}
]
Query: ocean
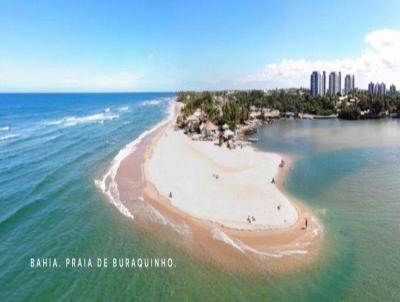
[{"x": 54, "y": 149}]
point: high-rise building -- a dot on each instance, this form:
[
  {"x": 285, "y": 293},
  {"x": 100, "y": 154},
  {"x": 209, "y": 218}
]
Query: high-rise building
[
  {"x": 348, "y": 83},
  {"x": 371, "y": 88},
  {"x": 381, "y": 89},
  {"x": 323, "y": 82},
  {"x": 315, "y": 83},
  {"x": 378, "y": 88},
  {"x": 340, "y": 82},
  {"x": 334, "y": 83},
  {"x": 392, "y": 89}
]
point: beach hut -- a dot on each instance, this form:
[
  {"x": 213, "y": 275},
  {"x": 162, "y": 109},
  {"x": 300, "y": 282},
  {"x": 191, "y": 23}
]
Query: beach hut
[
  {"x": 210, "y": 129},
  {"x": 192, "y": 123}
]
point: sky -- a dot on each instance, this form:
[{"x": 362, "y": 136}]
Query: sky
[{"x": 76, "y": 46}]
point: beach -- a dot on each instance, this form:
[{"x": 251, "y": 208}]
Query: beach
[
  {"x": 219, "y": 184},
  {"x": 219, "y": 204}
]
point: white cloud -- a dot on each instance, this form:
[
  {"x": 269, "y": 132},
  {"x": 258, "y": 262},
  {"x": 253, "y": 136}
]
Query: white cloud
[{"x": 378, "y": 61}]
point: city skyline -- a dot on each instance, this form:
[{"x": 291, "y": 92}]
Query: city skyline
[
  {"x": 318, "y": 85},
  {"x": 159, "y": 46}
]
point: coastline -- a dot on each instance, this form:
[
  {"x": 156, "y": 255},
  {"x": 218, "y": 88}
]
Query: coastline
[{"x": 275, "y": 249}]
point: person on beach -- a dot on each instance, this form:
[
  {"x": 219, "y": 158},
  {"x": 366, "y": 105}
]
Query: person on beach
[
  {"x": 273, "y": 180},
  {"x": 170, "y": 194},
  {"x": 306, "y": 224}
]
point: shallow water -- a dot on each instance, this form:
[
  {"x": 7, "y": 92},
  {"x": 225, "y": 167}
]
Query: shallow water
[
  {"x": 349, "y": 173},
  {"x": 52, "y": 147}
]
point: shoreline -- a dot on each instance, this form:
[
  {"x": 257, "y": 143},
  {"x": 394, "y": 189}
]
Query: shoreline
[{"x": 246, "y": 250}]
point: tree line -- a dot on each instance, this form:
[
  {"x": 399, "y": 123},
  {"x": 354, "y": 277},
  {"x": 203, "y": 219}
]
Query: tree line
[{"x": 233, "y": 107}]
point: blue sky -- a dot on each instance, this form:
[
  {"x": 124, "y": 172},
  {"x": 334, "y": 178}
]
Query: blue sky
[{"x": 172, "y": 45}]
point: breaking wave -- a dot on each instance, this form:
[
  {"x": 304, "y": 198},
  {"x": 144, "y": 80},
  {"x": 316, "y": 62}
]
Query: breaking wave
[
  {"x": 155, "y": 216},
  {"x": 5, "y": 128},
  {"x": 8, "y": 137},
  {"x": 123, "y": 108},
  {"x": 108, "y": 184},
  {"x": 242, "y": 247},
  {"x": 219, "y": 235},
  {"x": 151, "y": 103},
  {"x": 73, "y": 120}
]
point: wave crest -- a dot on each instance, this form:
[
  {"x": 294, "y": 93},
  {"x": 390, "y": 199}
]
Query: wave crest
[
  {"x": 123, "y": 108},
  {"x": 8, "y": 137},
  {"x": 151, "y": 103},
  {"x": 242, "y": 247},
  {"x": 93, "y": 118}
]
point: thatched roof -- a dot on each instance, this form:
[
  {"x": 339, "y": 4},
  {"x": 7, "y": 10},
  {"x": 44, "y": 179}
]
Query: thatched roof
[{"x": 210, "y": 126}]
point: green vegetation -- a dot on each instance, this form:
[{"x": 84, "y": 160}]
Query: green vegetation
[
  {"x": 373, "y": 105},
  {"x": 234, "y": 114},
  {"x": 234, "y": 107},
  {"x": 350, "y": 113}
]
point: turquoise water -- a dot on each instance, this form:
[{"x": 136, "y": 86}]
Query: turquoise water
[
  {"x": 349, "y": 173},
  {"x": 53, "y": 146}
]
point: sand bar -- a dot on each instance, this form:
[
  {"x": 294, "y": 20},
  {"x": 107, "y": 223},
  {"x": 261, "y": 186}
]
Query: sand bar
[{"x": 206, "y": 216}]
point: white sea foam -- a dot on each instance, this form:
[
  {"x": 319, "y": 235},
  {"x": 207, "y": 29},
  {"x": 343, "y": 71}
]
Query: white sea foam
[
  {"x": 293, "y": 252},
  {"x": 108, "y": 184},
  {"x": 242, "y": 247},
  {"x": 257, "y": 252},
  {"x": 5, "y": 128},
  {"x": 107, "y": 109},
  {"x": 239, "y": 245},
  {"x": 219, "y": 235},
  {"x": 8, "y": 137},
  {"x": 123, "y": 108},
  {"x": 151, "y": 103},
  {"x": 93, "y": 118},
  {"x": 157, "y": 217}
]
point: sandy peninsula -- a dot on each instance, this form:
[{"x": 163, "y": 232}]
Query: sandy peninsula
[{"x": 218, "y": 204}]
